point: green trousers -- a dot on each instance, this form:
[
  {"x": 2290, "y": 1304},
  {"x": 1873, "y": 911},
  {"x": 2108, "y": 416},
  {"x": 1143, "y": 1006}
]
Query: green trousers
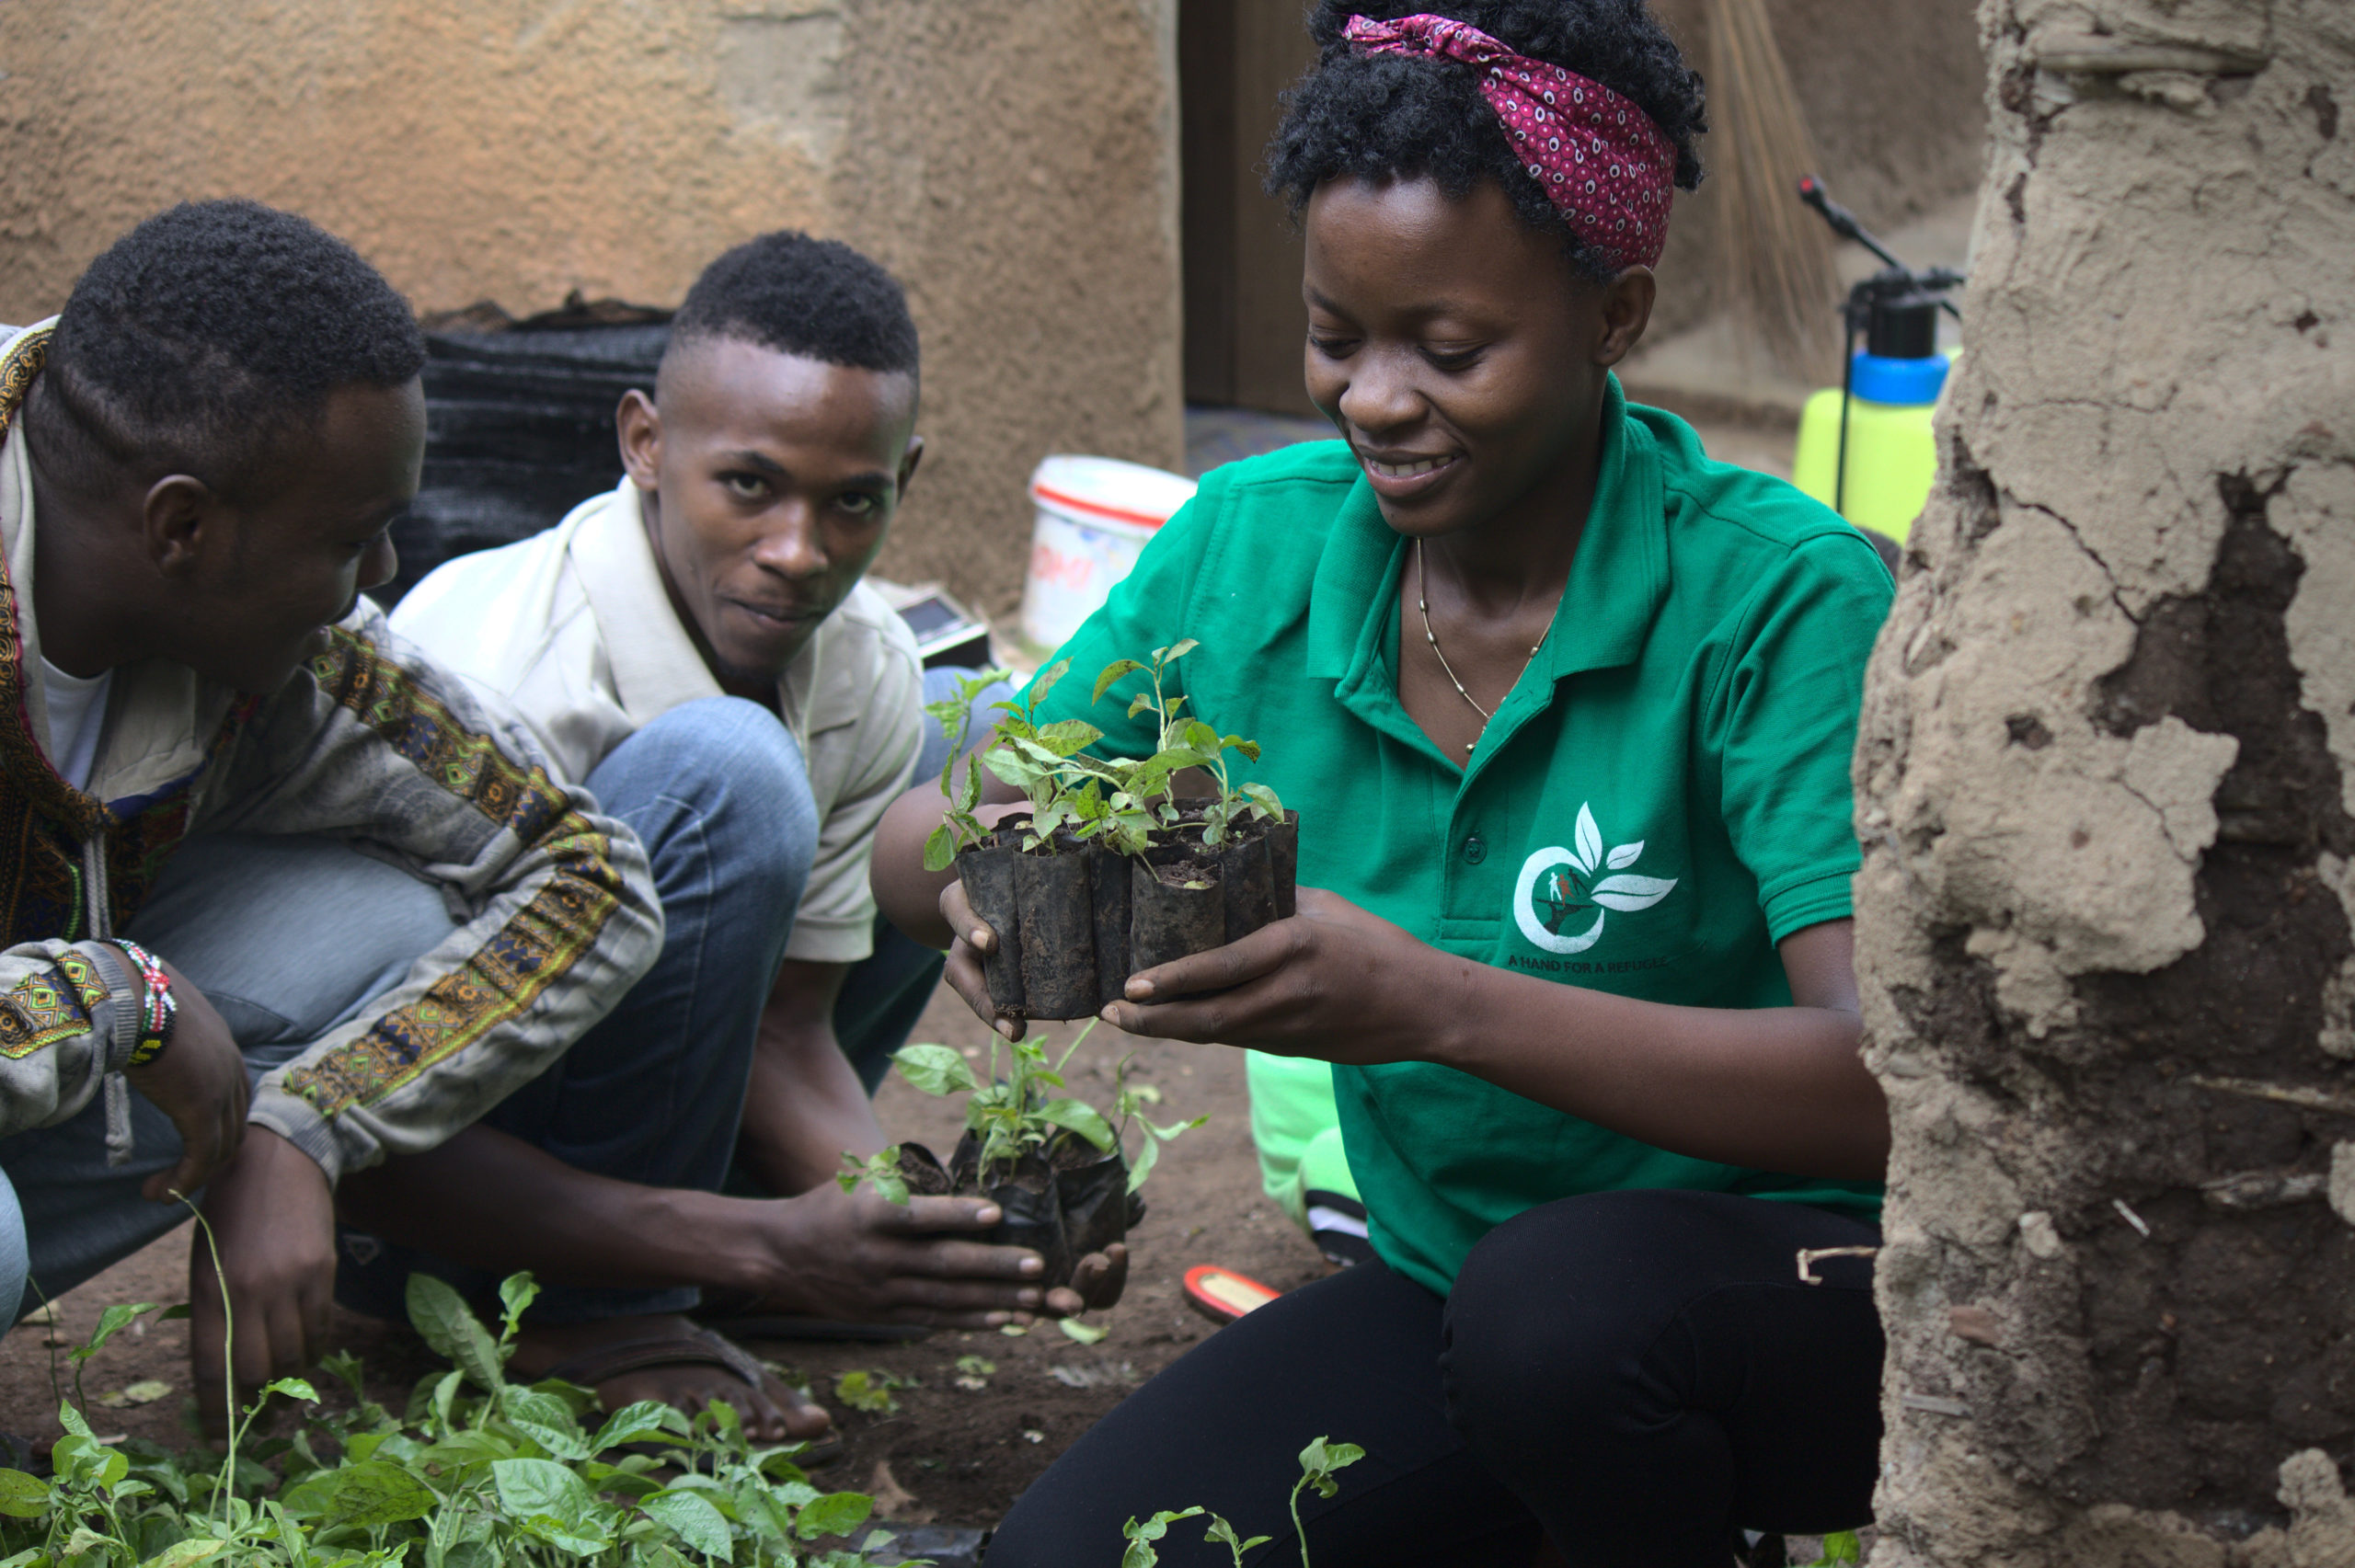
[{"x": 1298, "y": 1131}]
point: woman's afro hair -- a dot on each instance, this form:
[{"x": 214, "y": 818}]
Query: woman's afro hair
[
  {"x": 815, "y": 298},
  {"x": 200, "y": 339},
  {"x": 1386, "y": 116}
]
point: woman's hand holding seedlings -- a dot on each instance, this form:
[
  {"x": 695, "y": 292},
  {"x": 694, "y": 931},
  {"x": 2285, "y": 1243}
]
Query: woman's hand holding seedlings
[
  {"x": 1334, "y": 982},
  {"x": 1331, "y": 982},
  {"x": 1775, "y": 1088}
]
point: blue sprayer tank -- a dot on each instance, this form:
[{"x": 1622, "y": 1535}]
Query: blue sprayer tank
[{"x": 1893, "y": 385}]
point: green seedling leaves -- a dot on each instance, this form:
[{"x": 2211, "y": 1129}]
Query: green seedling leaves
[
  {"x": 1148, "y": 1156},
  {"x": 1111, "y": 672},
  {"x": 1141, "y": 1536},
  {"x": 866, "y": 1391},
  {"x": 1080, "y": 1332},
  {"x": 516, "y": 1294},
  {"x": 23, "y": 1496},
  {"x": 959, "y": 826},
  {"x": 836, "y": 1513},
  {"x": 186, "y": 1554},
  {"x": 880, "y": 1170},
  {"x": 1080, "y": 1118},
  {"x": 479, "y": 1472},
  {"x": 1070, "y": 736},
  {"x": 1841, "y": 1550},
  {"x": 441, "y": 1319},
  {"x": 1164, "y": 657},
  {"x": 82, "y": 1460},
  {"x": 1224, "y": 1533},
  {"x": 692, "y": 1517},
  {"x": 113, "y": 1319},
  {"x": 635, "y": 1423},
  {"x": 550, "y": 1500},
  {"x": 936, "y": 1070},
  {"x": 1321, "y": 1459},
  {"x": 1044, "y": 682},
  {"x": 370, "y": 1493}
]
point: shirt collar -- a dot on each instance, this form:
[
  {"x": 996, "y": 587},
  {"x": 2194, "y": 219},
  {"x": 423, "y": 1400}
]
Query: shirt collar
[
  {"x": 1618, "y": 578},
  {"x": 655, "y": 663}
]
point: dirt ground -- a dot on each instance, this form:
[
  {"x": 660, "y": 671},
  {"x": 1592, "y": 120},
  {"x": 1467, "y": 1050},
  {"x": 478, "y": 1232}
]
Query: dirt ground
[{"x": 948, "y": 1454}]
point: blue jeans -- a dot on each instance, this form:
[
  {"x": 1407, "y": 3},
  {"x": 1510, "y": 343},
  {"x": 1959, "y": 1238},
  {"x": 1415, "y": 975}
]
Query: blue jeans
[
  {"x": 266, "y": 929},
  {"x": 716, "y": 791}
]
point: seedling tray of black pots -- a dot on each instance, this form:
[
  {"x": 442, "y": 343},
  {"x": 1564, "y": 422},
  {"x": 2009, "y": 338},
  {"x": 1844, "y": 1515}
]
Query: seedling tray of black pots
[
  {"x": 1075, "y": 921},
  {"x": 1062, "y": 1201}
]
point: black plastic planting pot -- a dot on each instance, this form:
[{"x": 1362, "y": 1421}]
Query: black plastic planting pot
[
  {"x": 1063, "y": 1202},
  {"x": 1074, "y": 922}
]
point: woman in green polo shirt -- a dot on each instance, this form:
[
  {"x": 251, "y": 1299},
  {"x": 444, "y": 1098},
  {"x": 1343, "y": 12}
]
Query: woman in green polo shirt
[{"x": 1566, "y": 709}]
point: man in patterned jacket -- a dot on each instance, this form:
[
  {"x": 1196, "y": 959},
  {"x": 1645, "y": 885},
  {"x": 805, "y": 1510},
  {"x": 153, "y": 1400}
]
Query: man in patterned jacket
[{"x": 199, "y": 460}]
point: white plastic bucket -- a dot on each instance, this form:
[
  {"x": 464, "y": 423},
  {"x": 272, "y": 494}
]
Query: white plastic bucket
[{"x": 1095, "y": 515}]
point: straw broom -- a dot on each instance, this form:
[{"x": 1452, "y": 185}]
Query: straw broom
[{"x": 1776, "y": 279}]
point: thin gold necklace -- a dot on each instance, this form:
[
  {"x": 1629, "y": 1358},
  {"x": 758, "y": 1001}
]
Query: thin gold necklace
[{"x": 1423, "y": 603}]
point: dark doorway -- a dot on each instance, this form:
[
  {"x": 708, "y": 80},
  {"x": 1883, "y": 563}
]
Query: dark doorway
[{"x": 1244, "y": 319}]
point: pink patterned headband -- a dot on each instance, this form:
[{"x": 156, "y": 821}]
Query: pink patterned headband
[{"x": 1602, "y": 160}]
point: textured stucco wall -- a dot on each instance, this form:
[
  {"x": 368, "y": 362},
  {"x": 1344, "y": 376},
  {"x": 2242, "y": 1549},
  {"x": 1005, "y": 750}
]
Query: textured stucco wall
[
  {"x": 1013, "y": 160},
  {"x": 2103, "y": 780}
]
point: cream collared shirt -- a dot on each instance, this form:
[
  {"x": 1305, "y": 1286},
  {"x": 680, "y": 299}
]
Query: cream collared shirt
[{"x": 573, "y": 629}]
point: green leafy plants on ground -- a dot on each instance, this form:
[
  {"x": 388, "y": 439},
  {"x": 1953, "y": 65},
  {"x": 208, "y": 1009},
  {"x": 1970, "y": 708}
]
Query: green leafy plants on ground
[
  {"x": 869, "y": 1390},
  {"x": 1317, "y": 1463},
  {"x": 480, "y": 1472}
]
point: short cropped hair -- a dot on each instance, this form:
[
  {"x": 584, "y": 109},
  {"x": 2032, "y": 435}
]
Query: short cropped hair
[
  {"x": 203, "y": 338},
  {"x": 815, "y": 298},
  {"x": 1387, "y": 116}
]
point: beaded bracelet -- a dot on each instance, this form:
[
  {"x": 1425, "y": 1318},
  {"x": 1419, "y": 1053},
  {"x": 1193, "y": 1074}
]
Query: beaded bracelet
[{"x": 158, "y": 1008}]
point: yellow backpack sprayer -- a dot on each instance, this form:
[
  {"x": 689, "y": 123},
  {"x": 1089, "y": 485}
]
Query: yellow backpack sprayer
[{"x": 1864, "y": 447}]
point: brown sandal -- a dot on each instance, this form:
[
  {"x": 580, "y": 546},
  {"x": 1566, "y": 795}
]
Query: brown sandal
[{"x": 694, "y": 1347}]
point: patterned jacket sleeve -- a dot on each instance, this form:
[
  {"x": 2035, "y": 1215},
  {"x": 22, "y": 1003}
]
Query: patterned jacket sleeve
[
  {"x": 68, "y": 1013},
  {"x": 372, "y": 742}
]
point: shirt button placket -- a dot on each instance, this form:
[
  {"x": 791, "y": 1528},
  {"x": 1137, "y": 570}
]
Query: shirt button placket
[{"x": 1476, "y": 850}]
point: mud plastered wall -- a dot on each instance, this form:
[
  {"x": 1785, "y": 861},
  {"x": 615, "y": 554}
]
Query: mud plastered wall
[
  {"x": 2103, "y": 788},
  {"x": 1012, "y": 160}
]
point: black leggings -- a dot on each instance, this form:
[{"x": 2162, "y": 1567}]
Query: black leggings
[{"x": 1635, "y": 1374}]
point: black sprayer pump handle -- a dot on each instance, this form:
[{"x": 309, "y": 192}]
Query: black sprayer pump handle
[{"x": 1844, "y": 223}]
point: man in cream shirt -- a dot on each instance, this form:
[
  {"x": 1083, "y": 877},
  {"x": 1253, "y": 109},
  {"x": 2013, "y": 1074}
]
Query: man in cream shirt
[{"x": 699, "y": 649}]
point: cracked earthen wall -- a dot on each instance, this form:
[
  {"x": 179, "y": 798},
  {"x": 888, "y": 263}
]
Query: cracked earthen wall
[
  {"x": 2105, "y": 786},
  {"x": 1012, "y": 160}
]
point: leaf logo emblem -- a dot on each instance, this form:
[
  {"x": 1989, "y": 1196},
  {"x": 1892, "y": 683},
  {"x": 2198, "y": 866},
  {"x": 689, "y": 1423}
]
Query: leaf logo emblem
[{"x": 1559, "y": 885}]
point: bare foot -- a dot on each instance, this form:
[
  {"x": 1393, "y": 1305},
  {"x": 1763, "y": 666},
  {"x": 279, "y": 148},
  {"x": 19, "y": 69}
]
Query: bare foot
[{"x": 670, "y": 1359}]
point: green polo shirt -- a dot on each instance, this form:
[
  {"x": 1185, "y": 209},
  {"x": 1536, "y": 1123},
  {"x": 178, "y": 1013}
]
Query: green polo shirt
[{"x": 1662, "y": 797}]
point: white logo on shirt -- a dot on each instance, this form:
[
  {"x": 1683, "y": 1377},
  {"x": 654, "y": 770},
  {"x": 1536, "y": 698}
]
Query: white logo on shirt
[{"x": 1557, "y": 885}]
